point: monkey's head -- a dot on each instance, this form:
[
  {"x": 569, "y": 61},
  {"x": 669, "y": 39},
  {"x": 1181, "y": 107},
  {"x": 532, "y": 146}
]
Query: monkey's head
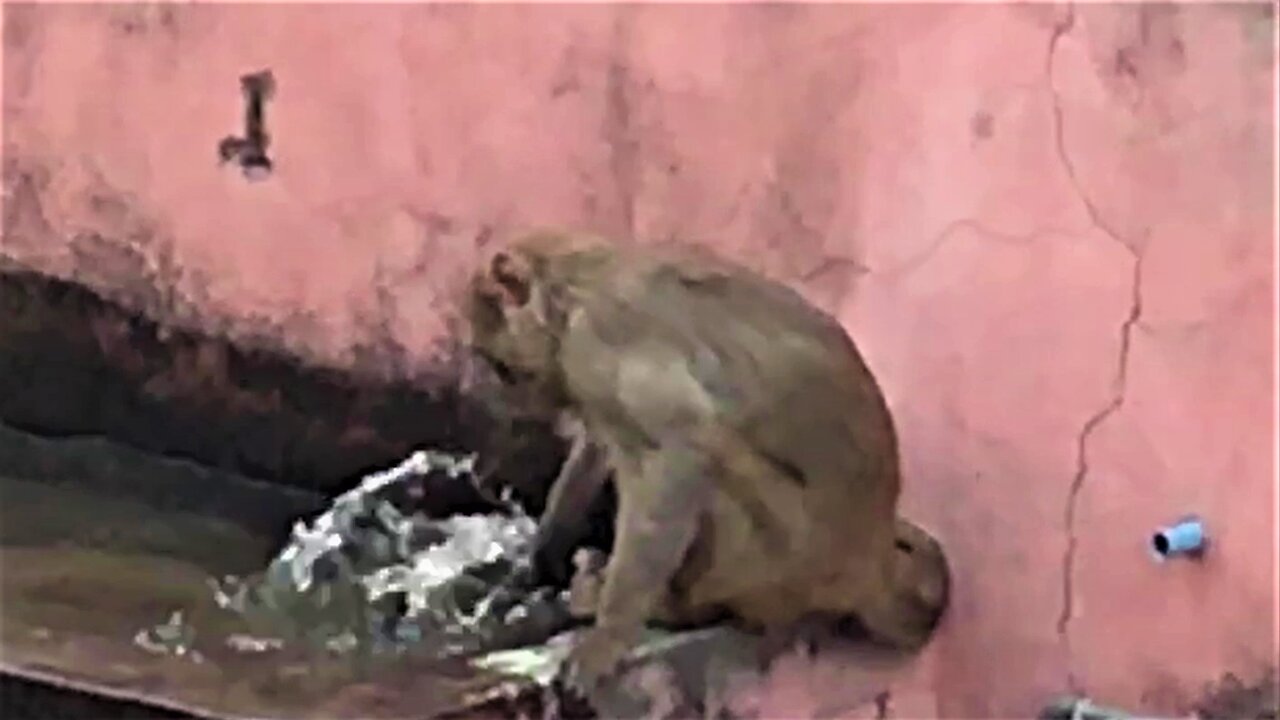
[{"x": 513, "y": 321}]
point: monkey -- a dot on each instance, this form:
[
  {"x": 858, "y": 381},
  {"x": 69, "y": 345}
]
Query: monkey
[{"x": 753, "y": 453}]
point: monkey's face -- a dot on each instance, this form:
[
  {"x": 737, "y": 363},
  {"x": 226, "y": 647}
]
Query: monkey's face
[{"x": 511, "y": 329}]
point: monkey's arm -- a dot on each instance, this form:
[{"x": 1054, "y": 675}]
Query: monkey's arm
[
  {"x": 662, "y": 499},
  {"x": 561, "y": 526},
  {"x": 563, "y": 521}
]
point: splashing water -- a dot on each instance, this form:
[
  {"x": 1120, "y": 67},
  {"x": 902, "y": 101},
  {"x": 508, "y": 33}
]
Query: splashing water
[{"x": 369, "y": 574}]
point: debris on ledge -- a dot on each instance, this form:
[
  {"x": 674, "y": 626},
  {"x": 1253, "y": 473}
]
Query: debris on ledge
[{"x": 370, "y": 577}]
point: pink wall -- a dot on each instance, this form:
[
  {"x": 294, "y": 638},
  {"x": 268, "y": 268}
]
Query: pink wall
[{"x": 1050, "y": 229}]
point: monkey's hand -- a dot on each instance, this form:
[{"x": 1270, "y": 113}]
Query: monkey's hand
[
  {"x": 597, "y": 658},
  {"x": 519, "y": 582}
]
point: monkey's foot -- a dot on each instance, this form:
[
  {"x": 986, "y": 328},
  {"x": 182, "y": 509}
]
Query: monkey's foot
[
  {"x": 597, "y": 658},
  {"x": 807, "y": 635},
  {"x": 587, "y": 582}
]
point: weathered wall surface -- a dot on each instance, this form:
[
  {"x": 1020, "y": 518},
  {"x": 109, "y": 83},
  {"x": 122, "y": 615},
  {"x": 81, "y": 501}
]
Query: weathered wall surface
[{"x": 1049, "y": 228}]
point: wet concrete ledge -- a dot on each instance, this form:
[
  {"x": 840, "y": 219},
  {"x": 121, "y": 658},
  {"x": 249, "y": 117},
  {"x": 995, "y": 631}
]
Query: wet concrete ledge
[
  {"x": 31, "y": 697},
  {"x": 96, "y": 397}
]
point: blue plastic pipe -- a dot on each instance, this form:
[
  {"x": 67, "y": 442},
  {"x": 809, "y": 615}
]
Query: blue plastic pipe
[{"x": 1186, "y": 537}]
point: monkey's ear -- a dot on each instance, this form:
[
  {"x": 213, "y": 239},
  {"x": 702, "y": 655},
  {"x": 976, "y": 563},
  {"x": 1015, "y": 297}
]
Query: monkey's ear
[{"x": 511, "y": 277}]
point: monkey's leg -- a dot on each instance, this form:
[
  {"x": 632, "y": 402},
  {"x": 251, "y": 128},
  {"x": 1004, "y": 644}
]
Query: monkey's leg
[
  {"x": 890, "y": 612},
  {"x": 658, "y": 519},
  {"x": 672, "y": 611},
  {"x": 896, "y": 584},
  {"x": 922, "y": 578}
]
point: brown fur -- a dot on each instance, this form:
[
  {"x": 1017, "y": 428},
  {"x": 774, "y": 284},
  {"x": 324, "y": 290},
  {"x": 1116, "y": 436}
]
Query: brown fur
[{"x": 755, "y": 458}]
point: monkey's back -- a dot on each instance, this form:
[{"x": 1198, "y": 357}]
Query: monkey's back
[{"x": 770, "y": 367}]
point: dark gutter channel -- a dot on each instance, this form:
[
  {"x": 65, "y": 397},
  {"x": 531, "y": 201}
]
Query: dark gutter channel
[{"x": 73, "y": 364}]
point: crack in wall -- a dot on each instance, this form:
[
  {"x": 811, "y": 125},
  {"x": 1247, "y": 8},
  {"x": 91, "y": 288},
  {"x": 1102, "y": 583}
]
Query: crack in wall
[
  {"x": 882, "y": 705},
  {"x": 1060, "y": 30},
  {"x": 380, "y": 350},
  {"x": 1113, "y": 405},
  {"x": 948, "y": 234},
  {"x": 1119, "y": 382},
  {"x": 834, "y": 263},
  {"x": 619, "y": 127}
]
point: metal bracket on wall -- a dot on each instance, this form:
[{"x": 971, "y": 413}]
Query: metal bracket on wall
[{"x": 250, "y": 150}]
